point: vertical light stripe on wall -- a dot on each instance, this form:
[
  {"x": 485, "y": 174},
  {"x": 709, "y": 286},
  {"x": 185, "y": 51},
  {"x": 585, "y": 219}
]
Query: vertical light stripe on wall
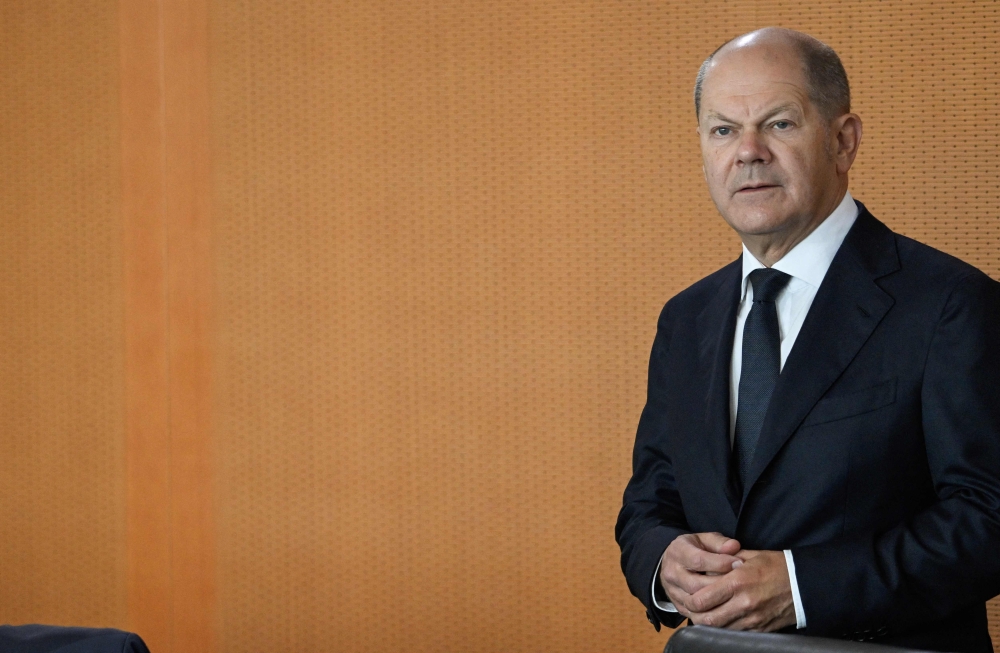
[{"x": 166, "y": 198}]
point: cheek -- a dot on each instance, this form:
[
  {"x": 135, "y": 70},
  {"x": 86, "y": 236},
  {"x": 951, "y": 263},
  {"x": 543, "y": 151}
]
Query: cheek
[
  {"x": 800, "y": 173},
  {"x": 812, "y": 165},
  {"x": 814, "y": 178},
  {"x": 716, "y": 172},
  {"x": 716, "y": 185}
]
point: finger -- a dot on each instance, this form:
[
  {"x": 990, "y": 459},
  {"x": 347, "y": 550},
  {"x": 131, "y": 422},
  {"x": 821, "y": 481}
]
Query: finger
[
  {"x": 714, "y": 595},
  {"x": 690, "y": 556},
  {"x": 718, "y": 543},
  {"x": 682, "y": 601},
  {"x": 734, "y": 612},
  {"x": 689, "y": 581},
  {"x": 724, "y": 616},
  {"x": 679, "y": 598},
  {"x": 751, "y": 619}
]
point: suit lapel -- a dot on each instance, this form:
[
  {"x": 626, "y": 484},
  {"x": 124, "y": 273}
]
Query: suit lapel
[
  {"x": 716, "y": 325},
  {"x": 847, "y": 308}
]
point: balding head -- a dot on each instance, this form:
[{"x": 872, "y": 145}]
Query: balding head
[{"x": 824, "y": 73}]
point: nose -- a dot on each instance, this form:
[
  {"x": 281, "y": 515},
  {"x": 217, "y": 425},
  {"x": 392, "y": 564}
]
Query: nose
[{"x": 752, "y": 148}]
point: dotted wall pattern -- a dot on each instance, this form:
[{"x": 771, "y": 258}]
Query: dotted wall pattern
[
  {"x": 444, "y": 231},
  {"x": 62, "y": 521}
]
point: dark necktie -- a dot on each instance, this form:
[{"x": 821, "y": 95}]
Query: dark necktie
[{"x": 760, "y": 368}]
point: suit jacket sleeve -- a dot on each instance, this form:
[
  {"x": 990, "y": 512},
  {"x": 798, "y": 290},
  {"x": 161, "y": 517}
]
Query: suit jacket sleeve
[
  {"x": 651, "y": 515},
  {"x": 942, "y": 559}
]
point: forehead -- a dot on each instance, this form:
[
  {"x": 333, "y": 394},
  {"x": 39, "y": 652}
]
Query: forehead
[{"x": 751, "y": 79}]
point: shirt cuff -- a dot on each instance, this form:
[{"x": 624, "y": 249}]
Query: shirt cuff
[
  {"x": 800, "y": 613},
  {"x": 664, "y": 605}
]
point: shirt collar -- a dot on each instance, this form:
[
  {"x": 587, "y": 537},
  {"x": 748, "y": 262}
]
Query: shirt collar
[{"x": 810, "y": 259}]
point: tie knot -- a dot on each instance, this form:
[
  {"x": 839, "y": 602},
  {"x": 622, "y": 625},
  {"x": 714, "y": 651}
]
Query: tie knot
[{"x": 767, "y": 283}]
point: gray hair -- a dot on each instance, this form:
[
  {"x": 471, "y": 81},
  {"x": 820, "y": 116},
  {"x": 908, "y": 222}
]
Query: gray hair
[{"x": 825, "y": 75}]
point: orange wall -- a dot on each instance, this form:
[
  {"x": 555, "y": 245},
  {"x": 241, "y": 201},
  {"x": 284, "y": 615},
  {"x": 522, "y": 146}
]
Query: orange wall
[
  {"x": 325, "y": 324},
  {"x": 62, "y": 437}
]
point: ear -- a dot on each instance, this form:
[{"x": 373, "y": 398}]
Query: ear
[{"x": 847, "y": 130}]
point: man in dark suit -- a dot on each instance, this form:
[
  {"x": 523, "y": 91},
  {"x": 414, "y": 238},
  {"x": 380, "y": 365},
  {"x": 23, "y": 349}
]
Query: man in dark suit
[{"x": 820, "y": 447}]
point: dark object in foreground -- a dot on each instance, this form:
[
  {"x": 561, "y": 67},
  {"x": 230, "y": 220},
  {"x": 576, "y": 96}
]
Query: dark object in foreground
[
  {"x": 702, "y": 639},
  {"x": 61, "y": 639}
]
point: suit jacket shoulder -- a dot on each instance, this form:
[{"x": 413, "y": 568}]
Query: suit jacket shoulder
[
  {"x": 871, "y": 237},
  {"x": 693, "y": 300},
  {"x": 694, "y": 297}
]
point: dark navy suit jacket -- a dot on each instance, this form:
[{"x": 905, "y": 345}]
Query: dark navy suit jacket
[
  {"x": 879, "y": 461},
  {"x": 59, "y": 639}
]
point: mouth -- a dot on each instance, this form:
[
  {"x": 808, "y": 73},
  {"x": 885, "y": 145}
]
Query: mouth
[{"x": 756, "y": 188}]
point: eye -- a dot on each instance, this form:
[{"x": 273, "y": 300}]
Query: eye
[
  {"x": 722, "y": 131},
  {"x": 782, "y": 124}
]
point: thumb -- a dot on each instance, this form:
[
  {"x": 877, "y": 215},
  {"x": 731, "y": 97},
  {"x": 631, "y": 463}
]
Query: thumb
[{"x": 719, "y": 543}]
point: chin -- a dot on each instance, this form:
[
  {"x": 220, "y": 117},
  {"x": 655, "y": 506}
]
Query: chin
[{"x": 755, "y": 222}]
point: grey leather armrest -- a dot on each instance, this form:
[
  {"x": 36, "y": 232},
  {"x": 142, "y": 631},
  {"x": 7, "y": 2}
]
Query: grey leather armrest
[{"x": 702, "y": 639}]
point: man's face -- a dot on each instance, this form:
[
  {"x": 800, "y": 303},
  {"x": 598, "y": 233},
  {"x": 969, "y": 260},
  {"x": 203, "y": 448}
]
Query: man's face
[{"x": 766, "y": 149}]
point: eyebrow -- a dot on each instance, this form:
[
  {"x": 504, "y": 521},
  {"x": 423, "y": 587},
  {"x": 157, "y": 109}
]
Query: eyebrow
[{"x": 770, "y": 114}]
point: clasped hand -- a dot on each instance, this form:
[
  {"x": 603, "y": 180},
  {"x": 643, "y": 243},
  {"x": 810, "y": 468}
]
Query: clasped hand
[{"x": 712, "y": 581}]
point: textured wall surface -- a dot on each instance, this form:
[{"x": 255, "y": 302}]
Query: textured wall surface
[
  {"x": 416, "y": 251},
  {"x": 61, "y": 435},
  {"x": 444, "y": 231}
]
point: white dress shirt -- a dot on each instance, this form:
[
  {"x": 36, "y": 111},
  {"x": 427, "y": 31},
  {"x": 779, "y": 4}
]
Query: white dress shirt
[{"x": 806, "y": 264}]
